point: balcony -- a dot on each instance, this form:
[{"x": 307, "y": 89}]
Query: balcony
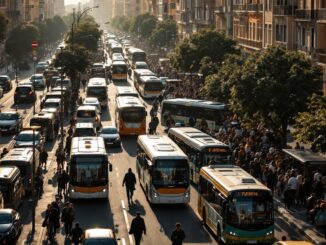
[
  {"x": 320, "y": 55},
  {"x": 248, "y": 7},
  {"x": 220, "y": 10},
  {"x": 182, "y": 18},
  {"x": 284, "y": 10},
  {"x": 256, "y": 44},
  {"x": 321, "y": 14},
  {"x": 306, "y": 14}
]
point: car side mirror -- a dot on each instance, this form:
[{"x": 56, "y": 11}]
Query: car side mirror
[{"x": 110, "y": 167}]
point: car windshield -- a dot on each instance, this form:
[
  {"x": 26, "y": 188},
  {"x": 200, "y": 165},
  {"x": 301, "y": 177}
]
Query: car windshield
[
  {"x": 8, "y": 116},
  {"x": 86, "y": 113},
  {"x": 109, "y": 131},
  {"x": 5, "y": 219},
  {"x": 83, "y": 132},
  {"x": 51, "y": 104},
  {"x": 23, "y": 90},
  {"x": 100, "y": 241},
  {"x": 3, "y": 79},
  {"x": 27, "y": 136},
  {"x": 154, "y": 86},
  {"x": 36, "y": 77}
]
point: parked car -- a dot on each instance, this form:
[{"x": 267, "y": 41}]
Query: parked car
[
  {"x": 110, "y": 135},
  {"x": 38, "y": 80},
  {"x": 5, "y": 83},
  {"x": 24, "y": 93},
  {"x": 25, "y": 139},
  {"x": 10, "y": 122},
  {"x": 10, "y": 225}
]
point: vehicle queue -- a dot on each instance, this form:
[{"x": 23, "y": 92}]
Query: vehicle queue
[{"x": 231, "y": 201}]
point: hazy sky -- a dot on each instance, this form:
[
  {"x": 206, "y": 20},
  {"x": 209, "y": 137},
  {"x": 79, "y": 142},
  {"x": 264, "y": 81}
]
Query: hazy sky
[{"x": 74, "y": 1}]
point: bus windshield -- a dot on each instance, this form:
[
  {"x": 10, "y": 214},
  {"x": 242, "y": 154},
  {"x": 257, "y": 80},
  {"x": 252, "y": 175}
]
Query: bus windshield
[
  {"x": 133, "y": 114},
  {"x": 171, "y": 173},
  {"x": 217, "y": 156},
  {"x": 119, "y": 69},
  {"x": 139, "y": 56},
  {"x": 89, "y": 171},
  {"x": 153, "y": 86},
  {"x": 98, "y": 92},
  {"x": 247, "y": 209}
]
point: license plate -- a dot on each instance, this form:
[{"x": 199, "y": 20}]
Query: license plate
[
  {"x": 4, "y": 129},
  {"x": 23, "y": 96},
  {"x": 252, "y": 241}
]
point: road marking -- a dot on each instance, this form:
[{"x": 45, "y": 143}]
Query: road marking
[
  {"x": 123, "y": 241},
  {"x": 131, "y": 240}
]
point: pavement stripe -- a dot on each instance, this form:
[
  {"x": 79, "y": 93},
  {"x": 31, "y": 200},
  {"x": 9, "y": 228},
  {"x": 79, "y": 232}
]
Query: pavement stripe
[
  {"x": 123, "y": 241},
  {"x": 126, "y": 221}
]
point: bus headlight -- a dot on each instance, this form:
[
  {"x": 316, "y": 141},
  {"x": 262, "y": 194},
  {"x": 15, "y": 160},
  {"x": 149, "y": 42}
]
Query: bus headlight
[
  {"x": 154, "y": 194},
  {"x": 104, "y": 190},
  {"x": 72, "y": 190},
  {"x": 269, "y": 233},
  {"x": 187, "y": 194},
  {"x": 233, "y": 233}
]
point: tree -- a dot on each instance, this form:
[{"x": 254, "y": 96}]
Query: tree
[
  {"x": 147, "y": 27},
  {"x": 3, "y": 26},
  {"x": 19, "y": 43},
  {"x": 164, "y": 34},
  {"x": 137, "y": 22},
  {"x": 206, "y": 43},
  {"x": 273, "y": 86},
  {"x": 310, "y": 126},
  {"x": 60, "y": 26}
]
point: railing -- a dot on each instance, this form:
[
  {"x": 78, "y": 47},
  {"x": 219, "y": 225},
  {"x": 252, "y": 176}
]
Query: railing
[
  {"x": 248, "y": 7},
  {"x": 248, "y": 42},
  {"x": 283, "y": 10},
  {"x": 306, "y": 14},
  {"x": 220, "y": 9},
  {"x": 321, "y": 14},
  {"x": 182, "y": 17}
]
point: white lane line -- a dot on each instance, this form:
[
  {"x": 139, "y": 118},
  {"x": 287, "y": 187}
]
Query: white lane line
[
  {"x": 116, "y": 172},
  {"x": 131, "y": 240},
  {"x": 123, "y": 241}
]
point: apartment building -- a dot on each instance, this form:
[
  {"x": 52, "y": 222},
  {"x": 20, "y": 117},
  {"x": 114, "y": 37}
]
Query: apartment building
[
  {"x": 184, "y": 13},
  {"x": 224, "y": 16},
  {"x": 203, "y": 14},
  {"x": 13, "y": 9},
  {"x": 132, "y": 7}
]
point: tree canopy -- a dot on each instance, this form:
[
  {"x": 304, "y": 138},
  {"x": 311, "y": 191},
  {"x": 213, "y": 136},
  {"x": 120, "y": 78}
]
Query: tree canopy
[
  {"x": 147, "y": 26},
  {"x": 206, "y": 43},
  {"x": 310, "y": 126},
  {"x": 164, "y": 34},
  {"x": 3, "y": 26}
]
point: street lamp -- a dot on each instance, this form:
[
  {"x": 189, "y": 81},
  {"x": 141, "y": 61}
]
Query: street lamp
[
  {"x": 61, "y": 106},
  {"x": 80, "y": 15},
  {"x": 33, "y": 83},
  {"x": 33, "y": 179}
]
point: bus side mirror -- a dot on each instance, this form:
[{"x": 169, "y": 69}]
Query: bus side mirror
[{"x": 110, "y": 167}]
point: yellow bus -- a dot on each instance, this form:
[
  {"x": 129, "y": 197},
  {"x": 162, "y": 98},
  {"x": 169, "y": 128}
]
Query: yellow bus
[
  {"x": 88, "y": 168},
  {"x": 150, "y": 87},
  {"x": 163, "y": 170},
  {"x": 235, "y": 205},
  {"x": 130, "y": 115},
  {"x": 119, "y": 71}
]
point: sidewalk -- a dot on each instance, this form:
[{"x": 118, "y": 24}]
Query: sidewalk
[{"x": 296, "y": 217}]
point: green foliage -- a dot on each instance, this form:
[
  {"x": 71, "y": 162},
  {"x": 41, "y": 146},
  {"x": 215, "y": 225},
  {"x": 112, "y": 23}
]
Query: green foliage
[
  {"x": 19, "y": 42},
  {"x": 73, "y": 62},
  {"x": 206, "y": 43},
  {"x": 147, "y": 27},
  {"x": 164, "y": 34},
  {"x": 60, "y": 27},
  {"x": 207, "y": 67},
  {"x": 310, "y": 126},
  {"x": 273, "y": 86},
  {"x": 3, "y": 26},
  {"x": 121, "y": 23},
  {"x": 137, "y": 21}
]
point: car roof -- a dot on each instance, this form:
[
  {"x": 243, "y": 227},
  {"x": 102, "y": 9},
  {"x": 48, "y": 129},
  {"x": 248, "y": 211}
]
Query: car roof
[
  {"x": 6, "y": 211},
  {"x": 99, "y": 233},
  {"x": 53, "y": 100},
  {"x": 84, "y": 125},
  {"x": 5, "y": 76},
  {"x": 91, "y": 98},
  {"x": 9, "y": 112},
  {"x": 37, "y": 74},
  {"x": 86, "y": 107},
  {"x": 24, "y": 85}
]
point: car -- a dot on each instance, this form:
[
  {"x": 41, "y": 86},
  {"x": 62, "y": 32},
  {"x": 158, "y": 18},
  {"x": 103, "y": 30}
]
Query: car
[
  {"x": 38, "y": 80},
  {"x": 110, "y": 135},
  {"x": 10, "y": 225},
  {"x": 50, "y": 95},
  {"x": 53, "y": 80},
  {"x": 24, "y": 93},
  {"x": 88, "y": 113},
  {"x": 54, "y": 103},
  {"x": 41, "y": 66},
  {"x": 65, "y": 83},
  {"x": 93, "y": 101},
  {"x": 5, "y": 83},
  {"x": 84, "y": 130},
  {"x": 141, "y": 65},
  {"x": 10, "y": 122},
  {"x": 99, "y": 236},
  {"x": 25, "y": 139}
]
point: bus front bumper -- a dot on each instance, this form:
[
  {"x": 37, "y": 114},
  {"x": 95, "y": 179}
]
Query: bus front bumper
[
  {"x": 73, "y": 194},
  {"x": 170, "y": 199}
]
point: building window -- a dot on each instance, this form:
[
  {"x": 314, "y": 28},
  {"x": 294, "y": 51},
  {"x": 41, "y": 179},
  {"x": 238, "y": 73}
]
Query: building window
[
  {"x": 303, "y": 37},
  {"x": 2, "y": 3},
  {"x": 280, "y": 33}
]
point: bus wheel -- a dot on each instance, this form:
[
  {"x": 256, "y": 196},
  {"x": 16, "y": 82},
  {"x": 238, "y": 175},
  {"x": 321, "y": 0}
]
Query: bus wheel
[{"x": 219, "y": 235}]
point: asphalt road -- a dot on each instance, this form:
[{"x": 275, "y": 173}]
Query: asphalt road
[{"x": 116, "y": 213}]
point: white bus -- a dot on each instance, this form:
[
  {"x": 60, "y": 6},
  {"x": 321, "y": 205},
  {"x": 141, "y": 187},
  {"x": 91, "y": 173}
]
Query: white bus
[
  {"x": 150, "y": 87},
  {"x": 137, "y": 73},
  {"x": 163, "y": 170},
  {"x": 235, "y": 205},
  {"x": 182, "y": 109},
  {"x": 201, "y": 149},
  {"x": 88, "y": 168},
  {"x": 134, "y": 55},
  {"x": 97, "y": 88},
  {"x": 130, "y": 116}
]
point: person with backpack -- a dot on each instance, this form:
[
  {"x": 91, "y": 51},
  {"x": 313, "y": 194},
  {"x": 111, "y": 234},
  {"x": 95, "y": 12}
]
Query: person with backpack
[{"x": 67, "y": 217}]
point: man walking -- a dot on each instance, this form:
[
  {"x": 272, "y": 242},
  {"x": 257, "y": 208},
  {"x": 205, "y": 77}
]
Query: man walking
[
  {"x": 129, "y": 181},
  {"x": 67, "y": 217},
  {"x": 137, "y": 228},
  {"x": 76, "y": 234},
  {"x": 178, "y": 235},
  {"x": 43, "y": 158}
]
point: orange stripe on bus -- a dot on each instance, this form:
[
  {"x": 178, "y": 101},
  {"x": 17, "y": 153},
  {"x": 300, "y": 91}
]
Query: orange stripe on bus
[
  {"x": 89, "y": 189},
  {"x": 171, "y": 190}
]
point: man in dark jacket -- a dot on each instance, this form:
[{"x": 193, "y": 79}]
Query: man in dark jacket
[
  {"x": 129, "y": 181},
  {"x": 67, "y": 217},
  {"x": 43, "y": 158},
  {"x": 76, "y": 234},
  {"x": 137, "y": 228},
  {"x": 178, "y": 235}
]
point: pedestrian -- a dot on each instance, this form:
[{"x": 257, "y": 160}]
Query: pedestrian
[
  {"x": 67, "y": 217},
  {"x": 151, "y": 127},
  {"x": 61, "y": 184},
  {"x": 76, "y": 234},
  {"x": 43, "y": 158},
  {"x": 178, "y": 235},
  {"x": 68, "y": 144},
  {"x": 50, "y": 221},
  {"x": 60, "y": 157},
  {"x": 66, "y": 178},
  {"x": 137, "y": 228},
  {"x": 56, "y": 214},
  {"x": 129, "y": 181},
  {"x": 155, "y": 123}
]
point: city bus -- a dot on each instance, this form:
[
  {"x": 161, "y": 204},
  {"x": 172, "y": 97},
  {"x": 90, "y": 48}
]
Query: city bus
[
  {"x": 201, "y": 149},
  {"x": 116, "y": 48},
  {"x": 150, "y": 87},
  {"x": 134, "y": 55},
  {"x": 96, "y": 87},
  {"x": 119, "y": 71},
  {"x": 130, "y": 116},
  {"x": 98, "y": 70},
  {"x": 137, "y": 73},
  {"x": 181, "y": 109},
  {"x": 88, "y": 168},
  {"x": 235, "y": 205},
  {"x": 163, "y": 170}
]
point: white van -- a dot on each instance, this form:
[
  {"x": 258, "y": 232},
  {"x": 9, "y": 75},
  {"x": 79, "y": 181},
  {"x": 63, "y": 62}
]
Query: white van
[{"x": 88, "y": 114}]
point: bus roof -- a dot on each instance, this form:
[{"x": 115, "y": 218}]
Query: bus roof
[
  {"x": 196, "y": 103},
  {"x": 160, "y": 147},
  {"x": 18, "y": 154},
  {"x": 96, "y": 81},
  {"x": 87, "y": 145},
  {"x": 144, "y": 72},
  {"x": 135, "y": 50},
  {"x": 150, "y": 79},
  {"x": 125, "y": 89},
  {"x": 231, "y": 178},
  {"x": 196, "y": 138},
  {"x": 128, "y": 101},
  {"x": 118, "y": 62},
  {"x": 306, "y": 156}
]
